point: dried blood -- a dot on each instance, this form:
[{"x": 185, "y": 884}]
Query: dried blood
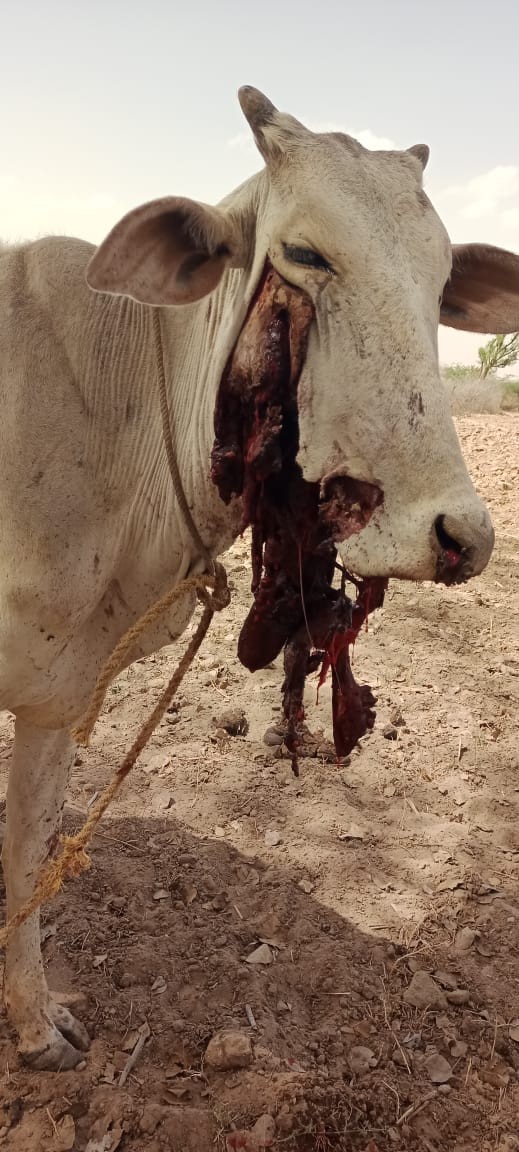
[{"x": 295, "y": 606}]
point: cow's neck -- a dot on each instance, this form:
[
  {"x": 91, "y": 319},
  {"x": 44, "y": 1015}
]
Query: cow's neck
[
  {"x": 116, "y": 373},
  {"x": 194, "y": 360},
  {"x": 197, "y": 341}
]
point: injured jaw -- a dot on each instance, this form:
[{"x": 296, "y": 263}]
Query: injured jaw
[{"x": 295, "y": 524}]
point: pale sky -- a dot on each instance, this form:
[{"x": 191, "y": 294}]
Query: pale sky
[{"x": 108, "y": 103}]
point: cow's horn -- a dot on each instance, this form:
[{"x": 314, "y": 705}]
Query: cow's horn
[
  {"x": 257, "y": 108},
  {"x": 421, "y": 152}
]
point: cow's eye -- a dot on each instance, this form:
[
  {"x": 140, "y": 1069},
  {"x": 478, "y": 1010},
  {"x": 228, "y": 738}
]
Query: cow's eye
[{"x": 306, "y": 256}]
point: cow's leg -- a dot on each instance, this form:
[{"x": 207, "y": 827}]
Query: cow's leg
[{"x": 50, "y": 1037}]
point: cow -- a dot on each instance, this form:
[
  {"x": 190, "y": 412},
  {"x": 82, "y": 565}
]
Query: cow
[{"x": 91, "y": 530}]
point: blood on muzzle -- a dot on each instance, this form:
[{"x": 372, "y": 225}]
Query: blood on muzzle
[{"x": 462, "y": 551}]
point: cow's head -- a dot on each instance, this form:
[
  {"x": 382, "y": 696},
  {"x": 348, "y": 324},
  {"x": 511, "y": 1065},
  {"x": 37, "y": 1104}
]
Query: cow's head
[{"x": 356, "y": 231}]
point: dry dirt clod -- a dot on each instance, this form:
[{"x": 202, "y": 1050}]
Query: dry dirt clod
[
  {"x": 108, "y": 1076},
  {"x": 107, "y": 1143},
  {"x": 272, "y": 838},
  {"x": 284, "y": 1121},
  {"x": 414, "y": 964},
  {"x": 438, "y": 1068},
  {"x": 130, "y": 1041},
  {"x": 306, "y": 886},
  {"x": 117, "y": 902},
  {"x": 65, "y": 1134},
  {"x": 233, "y": 722},
  {"x": 484, "y": 949},
  {"x": 264, "y": 1131},
  {"x": 464, "y": 940},
  {"x": 220, "y": 901},
  {"x": 228, "y": 1049},
  {"x": 354, "y": 832},
  {"x": 444, "y": 1023},
  {"x": 274, "y": 737},
  {"x": 153, "y": 1115},
  {"x": 390, "y": 732},
  {"x": 187, "y": 892},
  {"x": 424, "y": 993},
  {"x": 458, "y": 996},
  {"x": 361, "y": 1059},
  {"x": 447, "y": 979},
  {"x": 261, "y": 955},
  {"x": 48, "y": 930}
]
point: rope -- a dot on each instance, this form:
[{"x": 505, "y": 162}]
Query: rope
[
  {"x": 118, "y": 660},
  {"x": 73, "y": 858},
  {"x": 168, "y": 444}
]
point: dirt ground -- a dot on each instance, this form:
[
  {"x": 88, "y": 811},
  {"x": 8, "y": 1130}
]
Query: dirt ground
[{"x": 403, "y": 861}]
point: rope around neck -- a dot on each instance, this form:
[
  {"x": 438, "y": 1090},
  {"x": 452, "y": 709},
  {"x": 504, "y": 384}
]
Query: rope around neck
[
  {"x": 73, "y": 858},
  {"x": 168, "y": 444}
]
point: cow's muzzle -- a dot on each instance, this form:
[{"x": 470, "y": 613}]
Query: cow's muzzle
[{"x": 463, "y": 546}]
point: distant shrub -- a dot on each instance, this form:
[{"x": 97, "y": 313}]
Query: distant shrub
[
  {"x": 471, "y": 393},
  {"x": 461, "y": 372},
  {"x": 510, "y": 401}
]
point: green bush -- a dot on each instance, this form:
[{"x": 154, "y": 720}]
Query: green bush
[{"x": 461, "y": 372}]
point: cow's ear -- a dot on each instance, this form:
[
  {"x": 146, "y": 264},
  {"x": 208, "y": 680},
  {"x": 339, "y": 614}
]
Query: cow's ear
[
  {"x": 482, "y": 294},
  {"x": 169, "y": 251}
]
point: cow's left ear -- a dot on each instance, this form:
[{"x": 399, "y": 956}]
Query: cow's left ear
[
  {"x": 482, "y": 294},
  {"x": 170, "y": 251}
]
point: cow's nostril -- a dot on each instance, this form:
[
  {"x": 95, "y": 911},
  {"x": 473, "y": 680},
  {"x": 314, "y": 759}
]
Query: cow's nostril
[
  {"x": 453, "y": 564},
  {"x": 463, "y": 541},
  {"x": 451, "y": 547}
]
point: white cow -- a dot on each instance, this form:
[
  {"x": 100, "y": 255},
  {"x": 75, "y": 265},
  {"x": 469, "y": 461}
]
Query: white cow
[{"x": 91, "y": 533}]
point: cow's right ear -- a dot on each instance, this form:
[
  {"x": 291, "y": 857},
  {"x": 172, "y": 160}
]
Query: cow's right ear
[
  {"x": 169, "y": 251},
  {"x": 482, "y": 294}
]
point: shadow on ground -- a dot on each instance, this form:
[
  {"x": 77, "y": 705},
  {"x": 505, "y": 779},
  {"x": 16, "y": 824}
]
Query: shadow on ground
[{"x": 159, "y": 930}]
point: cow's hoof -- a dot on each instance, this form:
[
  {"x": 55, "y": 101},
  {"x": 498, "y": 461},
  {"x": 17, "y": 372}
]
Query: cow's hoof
[
  {"x": 66, "y": 1043},
  {"x": 70, "y": 1028}
]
